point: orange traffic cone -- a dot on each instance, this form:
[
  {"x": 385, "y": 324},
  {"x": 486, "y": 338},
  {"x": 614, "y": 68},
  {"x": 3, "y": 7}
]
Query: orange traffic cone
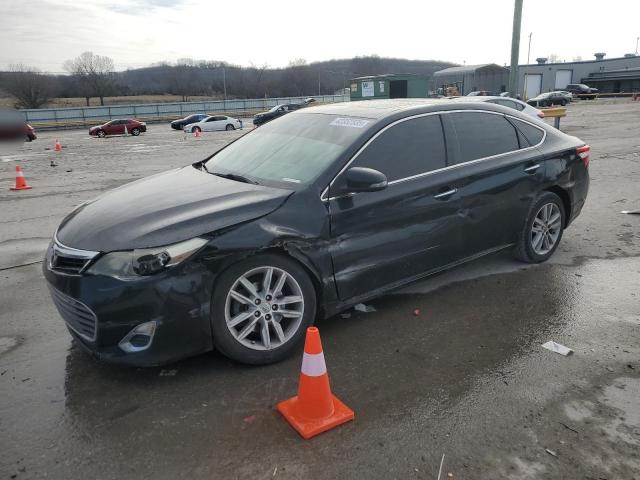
[
  {"x": 58, "y": 146},
  {"x": 315, "y": 409},
  {"x": 21, "y": 183}
]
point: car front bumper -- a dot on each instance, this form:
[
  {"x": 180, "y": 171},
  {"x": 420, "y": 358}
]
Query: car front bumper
[{"x": 177, "y": 300}]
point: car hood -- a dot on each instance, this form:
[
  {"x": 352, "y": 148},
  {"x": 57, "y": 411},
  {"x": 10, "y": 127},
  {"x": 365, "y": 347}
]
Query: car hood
[{"x": 166, "y": 208}]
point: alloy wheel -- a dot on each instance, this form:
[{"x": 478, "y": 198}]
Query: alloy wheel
[
  {"x": 264, "y": 308},
  {"x": 546, "y": 228}
]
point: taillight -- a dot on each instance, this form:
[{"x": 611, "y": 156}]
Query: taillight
[{"x": 583, "y": 153}]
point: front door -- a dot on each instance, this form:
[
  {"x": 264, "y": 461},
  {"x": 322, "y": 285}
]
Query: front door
[{"x": 381, "y": 239}]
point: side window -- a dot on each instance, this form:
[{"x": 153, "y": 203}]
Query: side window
[
  {"x": 532, "y": 134},
  {"x": 408, "y": 148},
  {"x": 482, "y": 135}
]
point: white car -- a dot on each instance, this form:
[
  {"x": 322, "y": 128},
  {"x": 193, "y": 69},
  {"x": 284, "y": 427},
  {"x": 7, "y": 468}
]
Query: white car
[
  {"x": 213, "y": 123},
  {"x": 509, "y": 102}
]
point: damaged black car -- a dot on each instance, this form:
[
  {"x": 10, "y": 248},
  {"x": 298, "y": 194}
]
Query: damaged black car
[{"x": 305, "y": 217}]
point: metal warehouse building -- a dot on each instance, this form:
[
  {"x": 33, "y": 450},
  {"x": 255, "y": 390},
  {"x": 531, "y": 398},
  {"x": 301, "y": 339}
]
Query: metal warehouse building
[
  {"x": 612, "y": 75},
  {"x": 471, "y": 78},
  {"x": 389, "y": 86}
]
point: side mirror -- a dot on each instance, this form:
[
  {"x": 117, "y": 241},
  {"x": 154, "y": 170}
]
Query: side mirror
[{"x": 360, "y": 179}]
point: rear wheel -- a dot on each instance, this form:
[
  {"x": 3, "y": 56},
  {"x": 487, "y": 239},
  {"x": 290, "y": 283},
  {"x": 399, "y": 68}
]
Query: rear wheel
[
  {"x": 261, "y": 308},
  {"x": 542, "y": 230},
  {"x": 135, "y": 132},
  {"x": 229, "y": 127},
  {"x": 563, "y": 102}
]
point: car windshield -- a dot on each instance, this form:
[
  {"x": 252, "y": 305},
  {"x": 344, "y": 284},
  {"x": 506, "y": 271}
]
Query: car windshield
[{"x": 292, "y": 150}]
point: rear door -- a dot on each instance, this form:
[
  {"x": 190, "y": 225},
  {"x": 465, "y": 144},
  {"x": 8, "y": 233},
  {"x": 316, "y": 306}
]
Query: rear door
[
  {"x": 501, "y": 171},
  {"x": 383, "y": 238}
]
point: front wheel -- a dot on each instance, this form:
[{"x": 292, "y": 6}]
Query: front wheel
[
  {"x": 261, "y": 309},
  {"x": 542, "y": 230},
  {"x": 101, "y": 134},
  {"x": 229, "y": 128}
]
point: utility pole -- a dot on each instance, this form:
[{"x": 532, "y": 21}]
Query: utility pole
[
  {"x": 515, "y": 47},
  {"x": 224, "y": 82},
  {"x": 526, "y": 76}
]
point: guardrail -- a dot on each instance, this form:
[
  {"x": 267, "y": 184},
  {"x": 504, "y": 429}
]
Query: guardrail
[{"x": 157, "y": 112}]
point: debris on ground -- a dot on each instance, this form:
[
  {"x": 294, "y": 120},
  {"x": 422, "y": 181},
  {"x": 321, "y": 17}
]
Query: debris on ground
[
  {"x": 551, "y": 452},
  {"x": 69, "y": 170},
  {"x": 53, "y": 164},
  {"x": 361, "y": 307},
  {"x": 168, "y": 373},
  {"x": 441, "y": 463},
  {"x": 556, "y": 347},
  {"x": 568, "y": 427},
  {"x": 345, "y": 315},
  {"x": 249, "y": 419},
  {"x": 416, "y": 312},
  {"x": 631, "y": 212}
]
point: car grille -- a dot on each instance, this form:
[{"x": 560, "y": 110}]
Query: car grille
[
  {"x": 68, "y": 260},
  {"x": 68, "y": 264},
  {"x": 77, "y": 315}
]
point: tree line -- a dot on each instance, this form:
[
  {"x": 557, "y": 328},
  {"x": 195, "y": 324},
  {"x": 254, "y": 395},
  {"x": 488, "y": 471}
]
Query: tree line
[{"x": 94, "y": 76}]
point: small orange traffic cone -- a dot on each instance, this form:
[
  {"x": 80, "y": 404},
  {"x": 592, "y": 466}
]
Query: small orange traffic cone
[
  {"x": 315, "y": 409},
  {"x": 21, "y": 183},
  {"x": 58, "y": 146}
]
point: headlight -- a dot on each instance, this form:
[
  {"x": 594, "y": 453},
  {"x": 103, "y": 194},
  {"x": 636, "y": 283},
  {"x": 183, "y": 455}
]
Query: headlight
[{"x": 143, "y": 262}]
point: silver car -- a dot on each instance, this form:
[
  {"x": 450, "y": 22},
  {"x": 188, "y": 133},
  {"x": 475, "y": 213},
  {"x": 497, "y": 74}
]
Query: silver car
[{"x": 508, "y": 102}]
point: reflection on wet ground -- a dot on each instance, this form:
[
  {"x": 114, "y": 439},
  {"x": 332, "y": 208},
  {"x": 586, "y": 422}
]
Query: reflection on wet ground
[{"x": 461, "y": 377}]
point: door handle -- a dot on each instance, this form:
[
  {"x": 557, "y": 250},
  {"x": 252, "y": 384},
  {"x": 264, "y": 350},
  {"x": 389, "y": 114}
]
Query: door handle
[
  {"x": 445, "y": 195},
  {"x": 532, "y": 168}
]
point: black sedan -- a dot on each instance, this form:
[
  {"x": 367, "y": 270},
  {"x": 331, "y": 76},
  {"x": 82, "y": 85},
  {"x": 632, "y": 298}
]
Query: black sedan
[
  {"x": 549, "y": 99},
  {"x": 305, "y": 217},
  {"x": 275, "y": 112},
  {"x": 182, "y": 122}
]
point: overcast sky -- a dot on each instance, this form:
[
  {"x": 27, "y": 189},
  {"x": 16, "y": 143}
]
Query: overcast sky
[{"x": 45, "y": 33}]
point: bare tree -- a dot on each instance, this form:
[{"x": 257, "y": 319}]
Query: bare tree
[
  {"x": 29, "y": 87},
  {"x": 95, "y": 75}
]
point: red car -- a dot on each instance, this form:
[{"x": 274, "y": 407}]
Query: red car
[
  {"x": 13, "y": 127},
  {"x": 117, "y": 127}
]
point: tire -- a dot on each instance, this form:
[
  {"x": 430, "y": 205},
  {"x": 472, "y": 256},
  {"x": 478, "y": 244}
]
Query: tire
[
  {"x": 229, "y": 128},
  {"x": 563, "y": 103},
  {"x": 530, "y": 248},
  {"x": 101, "y": 133},
  {"x": 28, "y": 139},
  {"x": 135, "y": 132},
  {"x": 252, "y": 349},
  {"x": 196, "y": 129}
]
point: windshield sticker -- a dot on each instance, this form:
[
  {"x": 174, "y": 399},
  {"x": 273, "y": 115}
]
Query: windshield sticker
[
  {"x": 291, "y": 180},
  {"x": 349, "y": 122}
]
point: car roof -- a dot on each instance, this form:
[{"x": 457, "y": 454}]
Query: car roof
[{"x": 377, "y": 109}]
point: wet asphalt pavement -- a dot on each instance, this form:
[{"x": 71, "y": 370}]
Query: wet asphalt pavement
[{"x": 466, "y": 377}]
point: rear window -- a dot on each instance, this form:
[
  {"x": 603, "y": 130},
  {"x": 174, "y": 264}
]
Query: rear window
[
  {"x": 482, "y": 135},
  {"x": 532, "y": 134}
]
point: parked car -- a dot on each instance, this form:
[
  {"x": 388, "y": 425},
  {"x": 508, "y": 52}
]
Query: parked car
[
  {"x": 508, "y": 102},
  {"x": 548, "y": 99},
  {"x": 213, "y": 123},
  {"x": 13, "y": 126},
  {"x": 182, "y": 122},
  {"x": 305, "y": 217},
  {"x": 119, "y": 127},
  {"x": 582, "y": 91},
  {"x": 275, "y": 112},
  {"x": 569, "y": 95},
  {"x": 507, "y": 94},
  {"x": 479, "y": 93}
]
